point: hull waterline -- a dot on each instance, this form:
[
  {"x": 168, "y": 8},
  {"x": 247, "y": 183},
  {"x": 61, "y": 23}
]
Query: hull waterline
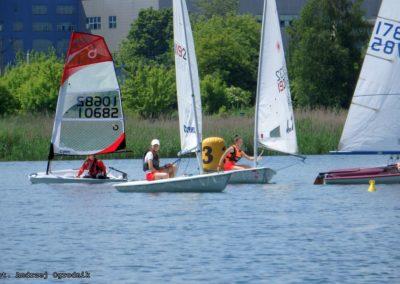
[
  {"x": 198, "y": 183},
  {"x": 252, "y": 176},
  {"x": 69, "y": 176},
  {"x": 381, "y": 175}
]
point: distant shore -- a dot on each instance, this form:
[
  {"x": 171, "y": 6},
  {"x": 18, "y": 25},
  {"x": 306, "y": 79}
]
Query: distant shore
[{"x": 27, "y": 137}]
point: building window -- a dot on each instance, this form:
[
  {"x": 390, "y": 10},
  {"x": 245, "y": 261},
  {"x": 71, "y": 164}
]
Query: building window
[
  {"x": 41, "y": 44},
  {"x": 282, "y": 23},
  {"x": 17, "y": 26},
  {"x": 18, "y": 45},
  {"x": 112, "y": 22},
  {"x": 62, "y": 46},
  {"x": 39, "y": 9},
  {"x": 93, "y": 23},
  {"x": 42, "y": 27},
  {"x": 65, "y": 27},
  {"x": 65, "y": 9}
]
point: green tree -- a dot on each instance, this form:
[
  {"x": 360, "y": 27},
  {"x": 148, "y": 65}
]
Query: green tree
[
  {"x": 35, "y": 85},
  {"x": 236, "y": 98},
  {"x": 213, "y": 93},
  {"x": 150, "y": 91},
  {"x": 229, "y": 46},
  {"x": 210, "y": 8},
  {"x": 9, "y": 104},
  {"x": 325, "y": 52},
  {"x": 149, "y": 39}
]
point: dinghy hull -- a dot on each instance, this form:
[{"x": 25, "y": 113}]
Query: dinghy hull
[
  {"x": 198, "y": 183},
  {"x": 381, "y": 175},
  {"x": 252, "y": 176},
  {"x": 69, "y": 176}
]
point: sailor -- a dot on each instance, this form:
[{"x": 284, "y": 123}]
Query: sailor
[
  {"x": 151, "y": 164},
  {"x": 95, "y": 168},
  {"x": 233, "y": 155}
]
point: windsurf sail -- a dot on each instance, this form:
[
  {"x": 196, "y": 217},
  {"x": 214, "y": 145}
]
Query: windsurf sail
[
  {"x": 187, "y": 82},
  {"x": 274, "y": 119},
  {"x": 89, "y": 118},
  {"x": 373, "y": 122}
]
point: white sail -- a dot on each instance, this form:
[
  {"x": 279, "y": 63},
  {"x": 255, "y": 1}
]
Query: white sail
[
  {"x": 187, "y": 80},
  {"x": 89, "y": 118},
  {"x": 373, "y": 122},
  {"x": 275, "y": 127}
]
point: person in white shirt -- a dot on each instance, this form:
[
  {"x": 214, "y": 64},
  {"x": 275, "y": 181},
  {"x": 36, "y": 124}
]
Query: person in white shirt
[{"x": 151, "y": 164}]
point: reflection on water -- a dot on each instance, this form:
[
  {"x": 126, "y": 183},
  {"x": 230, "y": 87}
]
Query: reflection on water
[{"x": 289, "y": 231}]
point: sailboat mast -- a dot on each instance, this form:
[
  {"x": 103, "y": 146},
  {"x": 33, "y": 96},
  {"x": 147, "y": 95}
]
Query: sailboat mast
[
  {"x": 196, "y": 121},
  {"x": 49, "y": 158},
  {"x": 261, "y": 57}
]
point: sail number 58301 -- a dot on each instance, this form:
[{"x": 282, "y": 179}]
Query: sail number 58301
[{"x": 97, "y": 107}]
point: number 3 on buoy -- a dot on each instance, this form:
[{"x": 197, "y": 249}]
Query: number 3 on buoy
[
  {"x": 213, "y": 149},
  {"x": 207, "y": 157}
]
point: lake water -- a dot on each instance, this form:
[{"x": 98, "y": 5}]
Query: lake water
[{"x": 287, "y": 232}]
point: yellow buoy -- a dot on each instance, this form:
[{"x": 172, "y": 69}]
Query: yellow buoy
[
  {"x": 372, "y": 187},
  {"x": 213, "y": 149}
]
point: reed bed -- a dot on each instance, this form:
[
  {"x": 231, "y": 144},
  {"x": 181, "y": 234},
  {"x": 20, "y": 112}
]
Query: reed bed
[{"x": 27, "y": 137}]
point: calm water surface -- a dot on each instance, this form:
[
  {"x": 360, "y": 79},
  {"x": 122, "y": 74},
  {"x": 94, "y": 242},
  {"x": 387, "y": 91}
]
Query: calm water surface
[{"x": 287, "y": 232}]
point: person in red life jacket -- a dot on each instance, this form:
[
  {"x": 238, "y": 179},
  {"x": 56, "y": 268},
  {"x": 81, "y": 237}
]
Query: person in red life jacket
[
  {"x": 233, "y": 155},
  {"x": 151, "y": 164},
  {"x": 95, "y": 168}
]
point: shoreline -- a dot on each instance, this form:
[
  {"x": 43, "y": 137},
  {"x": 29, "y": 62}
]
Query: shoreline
[{"x": 27, "y": 137}]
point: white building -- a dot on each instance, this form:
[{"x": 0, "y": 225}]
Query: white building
[{"x": 112, "y": 19}]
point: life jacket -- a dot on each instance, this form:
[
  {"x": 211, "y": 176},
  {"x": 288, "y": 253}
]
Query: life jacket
[
  {"x": 235, "y": 156},
  {"x": 156, "y": 161},
  {"x": 94, "y": 167}
]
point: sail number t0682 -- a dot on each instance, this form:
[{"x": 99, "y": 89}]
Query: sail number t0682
[{"x": 97, "y": 107}]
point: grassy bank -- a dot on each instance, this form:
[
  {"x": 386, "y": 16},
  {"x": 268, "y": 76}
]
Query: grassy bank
[{"x": 27, "y": 137}]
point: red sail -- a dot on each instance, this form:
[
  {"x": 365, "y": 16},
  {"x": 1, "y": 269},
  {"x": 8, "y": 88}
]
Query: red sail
[{"x": 84, "y": 49}]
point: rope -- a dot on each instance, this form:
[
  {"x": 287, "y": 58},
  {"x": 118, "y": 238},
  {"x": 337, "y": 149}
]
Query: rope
[
  {"x": 187, "y": 165},
  {"x": 292, "y": 165}
]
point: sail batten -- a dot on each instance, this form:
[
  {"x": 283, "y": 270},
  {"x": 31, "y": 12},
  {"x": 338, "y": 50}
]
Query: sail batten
[
  {"x": 274, "y": 125},
  {"x": 89, "y": 117},
  {"x": 373, "y": 123}
]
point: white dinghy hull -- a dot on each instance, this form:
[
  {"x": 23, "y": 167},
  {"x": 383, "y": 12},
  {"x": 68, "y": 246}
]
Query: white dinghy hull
[
  {"x": 69, "y": 176},
  {"x": 252, "y": 176},
  {"x": 192, "y": 184}
]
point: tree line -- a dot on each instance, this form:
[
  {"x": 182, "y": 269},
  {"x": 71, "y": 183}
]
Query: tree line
[{"x": 327, "y": 45}]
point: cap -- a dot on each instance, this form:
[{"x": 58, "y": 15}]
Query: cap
[{"x": 155, "y": 142}]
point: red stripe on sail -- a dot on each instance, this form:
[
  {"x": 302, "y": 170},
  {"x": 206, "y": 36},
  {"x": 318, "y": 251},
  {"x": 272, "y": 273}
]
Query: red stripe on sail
[
  {"x": 119, "y": 144},
  {"x": 84, "y": 49}
]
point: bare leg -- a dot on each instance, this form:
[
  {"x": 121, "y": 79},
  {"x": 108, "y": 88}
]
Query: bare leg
[
  {"x": 245, "y": 166},
  {"x": 160, "y": 175},
  {"x": 173, "y": 171},
  {"x": 240, "y": 167}
]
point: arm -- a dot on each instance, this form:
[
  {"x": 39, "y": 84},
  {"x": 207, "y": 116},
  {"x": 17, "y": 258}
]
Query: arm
[
  {"x": 223, "y": 157},
  {"x": 151, "y": 167},
  {"x": 82, "y": 169},
  {"x": 103, "y": 168},
  {"x": 247, "y": 156}
]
